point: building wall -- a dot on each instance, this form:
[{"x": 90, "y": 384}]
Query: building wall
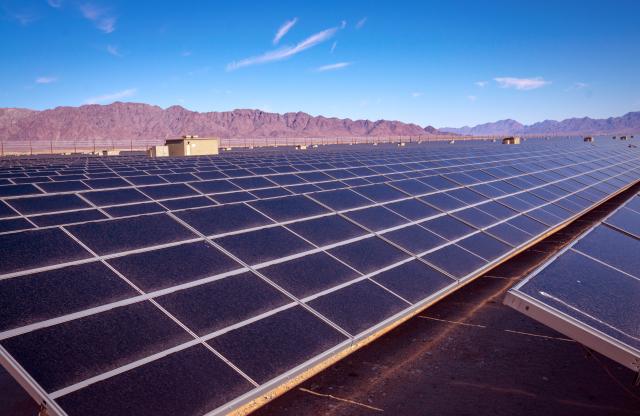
[
  {"x": 158, "y": 151},
  {"x": 201, "y": 147},
  {"x": 191, "y": 147},
  {"x": 176, "y": 149}
]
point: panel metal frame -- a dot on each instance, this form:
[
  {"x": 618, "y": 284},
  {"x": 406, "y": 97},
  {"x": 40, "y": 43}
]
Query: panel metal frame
[
  {"x": 590, "y": 337},
  {"x": 574, "y": 329}
]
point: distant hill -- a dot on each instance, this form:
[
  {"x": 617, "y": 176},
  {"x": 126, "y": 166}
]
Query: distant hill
[
  {"x": 142, "y": 121},
  {"x": 627, "y": 124},
  {"x": 131, "y": 121}
]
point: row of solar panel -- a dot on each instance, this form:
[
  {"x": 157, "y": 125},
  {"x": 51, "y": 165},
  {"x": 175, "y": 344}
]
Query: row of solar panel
[
  {"x": 432, "y": 153},
  {"x": 131, "y": 167},
  {"x": 369, "y": 250},
  {"x": 474, "y": 209},
  {"x": 597, "y": 280},
  {"x": 65, "y": 183},
  {"x": 129, "y": 201},
  {"x": 203, "y": 172},
  {"x": 145, "y": 315}
]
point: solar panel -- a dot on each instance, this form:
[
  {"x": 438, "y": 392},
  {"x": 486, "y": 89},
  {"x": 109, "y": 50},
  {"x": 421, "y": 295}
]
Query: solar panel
[
  {"x": 590, "y": 290},
  {"x": 194, "y": 285}
]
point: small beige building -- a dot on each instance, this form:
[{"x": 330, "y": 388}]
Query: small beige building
[
  {"x": 158, "y": 151},
  {"x": 190, "y": 145},
  {"x": 511, "y": 140}
]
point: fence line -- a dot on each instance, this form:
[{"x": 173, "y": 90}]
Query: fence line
[{"x": 97, "y": 146}]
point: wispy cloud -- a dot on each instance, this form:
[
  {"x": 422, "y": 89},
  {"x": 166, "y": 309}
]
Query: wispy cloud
[
  {"x": 46, "y": 80},
  {"x": 361, "y": 23},
  {"x": 472, "y": 98},
  {"x": 578, "y": 86},
  {"x": 114, "y": 50},
  {"x": 417, "y": 94},
  {"x": 481, "y": 84},
  {"x": 54, "y": 3},
  {"x": 185, "y": 53},
  {"x": 24, "y": 17},
  {"x": 114, "y": 96},
  {"x": 333, "y": 67},
  {"x": 343, "y": 24},
  {"x": 107, "y": 25},
  {"x": 286, "y": 27},
  {"x": 333, "y": 47},
  {"x": 523, "y": 84},
  {"x": 285, "y": 52},
  {"x": 101, "y": 17}
]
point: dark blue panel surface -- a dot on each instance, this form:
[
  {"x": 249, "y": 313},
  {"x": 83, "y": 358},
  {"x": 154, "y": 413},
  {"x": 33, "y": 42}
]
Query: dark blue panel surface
[
  {"x": 359, "y": 306},
  {"x": 223, "y": 302},
  {"x": 189, "y": 382},
  {"x": 38, "y": 248},
  {"x": 112, "y": 236},
  {"x": 279, "y": 343},
  {"x": 171, "y": 266}
]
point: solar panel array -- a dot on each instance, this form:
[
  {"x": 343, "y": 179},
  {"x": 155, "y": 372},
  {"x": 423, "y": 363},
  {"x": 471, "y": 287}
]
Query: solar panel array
[
  {"x": 591, "y": 290},
  {"x": 168, "y": 286}
]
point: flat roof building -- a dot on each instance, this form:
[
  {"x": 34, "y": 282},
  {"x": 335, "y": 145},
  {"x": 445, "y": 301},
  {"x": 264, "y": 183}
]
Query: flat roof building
[
  {"x": 511, "y": 140},
  {"x": 191, "y": 145}
]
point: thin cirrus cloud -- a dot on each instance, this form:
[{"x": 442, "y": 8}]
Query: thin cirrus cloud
[
  {"x": 580, "y": 85},
  {"x": 333, "y": 47},
  {"x": 100, "y": 17},
  {"x": 472, "y": 98},
  {"x": 361, "y": 23},
  {"x": 481, "y": 84},
  {"x": 417, "y": 94},
  {"x": 46, "y": 80},
  {"x": 523, "y": 84},
  {"x": 333, "y": 67},
  {"x": 284, "y": 29},
  {"x": 114, "y": 50},
  {"x": 54, "y": 3},
  {"x": 114, "y": 96},
  {"x": 284, "y": 52},
  {"x": 24, "y": 17}
]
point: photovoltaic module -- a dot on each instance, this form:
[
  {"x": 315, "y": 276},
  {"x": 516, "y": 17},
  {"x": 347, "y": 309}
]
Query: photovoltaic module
[{"x": 138, "y": 286}]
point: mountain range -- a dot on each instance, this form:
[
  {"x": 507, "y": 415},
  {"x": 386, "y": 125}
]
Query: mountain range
[
  {"x": 131, "y": 121},
  {"x": 143, "y": 121},
  {"x": 627, "y": 124}
]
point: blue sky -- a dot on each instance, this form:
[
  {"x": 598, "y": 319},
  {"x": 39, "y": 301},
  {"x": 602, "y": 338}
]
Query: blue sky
[{"x": 439, "y": 63}]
